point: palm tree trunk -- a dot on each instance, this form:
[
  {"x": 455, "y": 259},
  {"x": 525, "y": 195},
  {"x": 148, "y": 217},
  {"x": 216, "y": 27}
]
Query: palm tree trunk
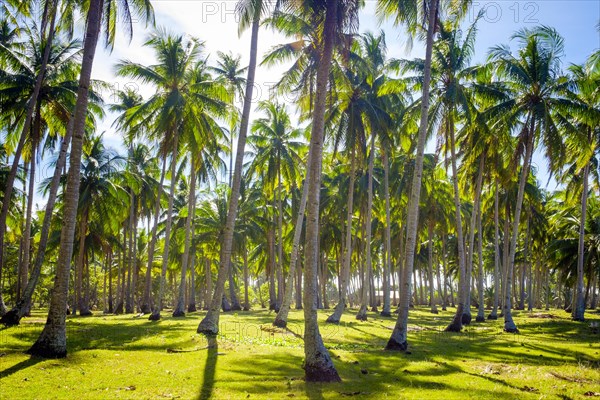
[
  {"x": 155, "y": 316},
  {"x": 387, "y": 260},
  {"x": 246, "y": 300},
  {"x": 31, "y": 106},
  {"x": 480, "y": 309},
  {"x": 362, "y": 314},
  {"x": 280, "y": 285},
  {"x": 52, "y": 342},
  {"x": 494, "y": 314},
  {"x": 192, "y": 289},
  {"x": 128, "y": 295},
  {"x": 430, "y": 227},
  {"x": 398, "y": 339},
  {"x": 345, "y": 272},
  {"x": 579, "y": 309},
  {"x": 208, "y": 277},
  {"x": 79, "y": 300},
  {"x": 145, "y": 307},
  {"x": 509, "y": 325},
  {"x": 210, "y": 323},
  {"x": 24, "y": 266},
  {"x": 180, "y": 308},
  {"x": 445, "y": 272},
  {"x": 13, "y": 317},
  {"x": 282, "y": 315},
  {"x": 464, "y": 279},
  {"x": 318, "y": 365}
]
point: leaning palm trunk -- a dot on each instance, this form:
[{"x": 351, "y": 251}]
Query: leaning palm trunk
[
  {"x": 52, "y": 342},
  {"x": 145, "y": 307},
  {"x": 494, "y": 314},
  {"x": 210, "y": 323},
  {"x": 155, "y": 316},
  {"x": 362, "y": 313},
  {"x": 509, "y": 324},
  {"x": 387, "y": 261},
  {"x": 282, "y": 315},
  {"x": 13, "y": 317},
  {"x": 398, "y": 339},
  {"x": 180, "y": 308},
  {"x": 31, "y": 105},
  {"x": 345, "y": 272},
  {"x": 318, "y": 365},
  {"x": 579, "y": 309}
]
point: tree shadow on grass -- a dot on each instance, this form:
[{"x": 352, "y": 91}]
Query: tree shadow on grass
[
  {"x": 29, "y": 362},
  {"x": 210, "y": 367}
]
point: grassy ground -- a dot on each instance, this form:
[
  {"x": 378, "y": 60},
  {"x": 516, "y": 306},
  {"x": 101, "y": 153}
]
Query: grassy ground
[{"x": 126, "y": 357}]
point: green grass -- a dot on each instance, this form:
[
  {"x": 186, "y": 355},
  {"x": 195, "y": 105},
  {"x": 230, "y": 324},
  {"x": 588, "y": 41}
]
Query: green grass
[{"x": 113, "y": 357}]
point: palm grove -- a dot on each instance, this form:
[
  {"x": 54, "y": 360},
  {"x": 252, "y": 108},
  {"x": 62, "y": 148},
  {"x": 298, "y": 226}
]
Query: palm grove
[{"x": 329, "y": 201}]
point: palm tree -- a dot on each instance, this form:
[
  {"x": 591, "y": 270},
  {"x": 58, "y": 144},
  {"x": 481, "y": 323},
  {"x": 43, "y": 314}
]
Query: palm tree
[
  {"x": 250, "y": 12},
  {"x": 52, "y": 341},
  {"x": 415, "y": 15},
  {"x": 534, "y": 109},
  {"x": 584, "y": 143}
]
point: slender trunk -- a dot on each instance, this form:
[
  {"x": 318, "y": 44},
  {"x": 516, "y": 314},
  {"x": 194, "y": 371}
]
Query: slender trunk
[
  {"x": 210, "y": 323},
  {"x": 480, "y": 309},
  {"x": 246, "y": 300},
  {"x": 318, "y": 365},
  {"x": 155, "y": 316},
  {"x": 282, "y": 315},
  {"x": 52, "y": 342},
  {"x": 445, "y": 272},
  {"x": 235, "y": 303},
  {"x": 387, "y": 246},
  {"x": 280, "y": 285},
  {"x": 430, "y": 226},
  {"x": 180, "y": 308},
  {"x": 192, "y": 289},
  {"x": 128, "y": 296},
  {"x": 208, "y": 274},
  {"x": 345, "y": 272},
  {"x": 147, "y": 298},
  {"x": 494, "y": 314},
  {"x": 24, "y": 266},
  {"x": 362, "y": 313},
  {"x": 579, "y": 309},
  {"x": 464, "y": 280},
  {"x": 110, "y": 293},
  {"x": 29, "y": 112},
  {"x": 509, "y": 325},
  {"x": 79, "y": 298},
  {"x": 398, "y": 339},
  {"x": 271, "y": 270}
]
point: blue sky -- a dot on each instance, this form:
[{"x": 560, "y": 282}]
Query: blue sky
[{"x": 215, "y": 23}]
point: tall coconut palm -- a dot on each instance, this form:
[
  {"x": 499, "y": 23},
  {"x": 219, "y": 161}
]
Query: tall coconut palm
[
  {"x": 585, "y": 148},
  {"x": 251, "y": 12},
  {"x": 52, "y": 340},
  {"x": 535, "y": 110},
  {"x": 277, "y": 151},
  {"x": 414, "y": 15}
]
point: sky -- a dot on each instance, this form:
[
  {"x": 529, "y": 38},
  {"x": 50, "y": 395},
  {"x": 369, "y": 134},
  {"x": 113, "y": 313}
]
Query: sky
[{"x": 215, "y": 23}]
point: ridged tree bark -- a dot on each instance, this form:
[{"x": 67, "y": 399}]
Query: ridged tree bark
[
  {"x": 430, "y": 227},
  {"x": 398, "y": 339},
  {"x": 210, "y": 323},
  {"x": 52, "y": 342},
  {"x": 481, "y": 309},
  {"x": 318, "y": 366}
]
